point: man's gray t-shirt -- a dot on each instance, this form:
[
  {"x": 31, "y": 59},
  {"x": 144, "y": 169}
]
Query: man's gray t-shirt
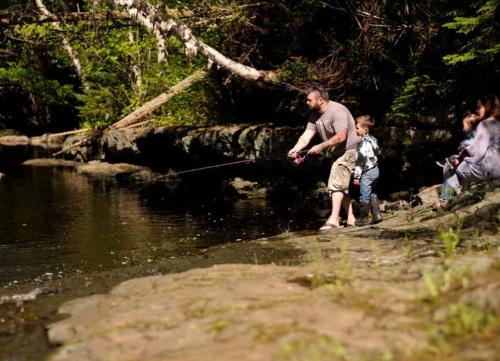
[{"x": 335, "y": 119}]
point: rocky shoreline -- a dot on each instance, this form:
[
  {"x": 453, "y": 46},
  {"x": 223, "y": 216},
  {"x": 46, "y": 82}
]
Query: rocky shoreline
[{"x": 395, "y": 291}]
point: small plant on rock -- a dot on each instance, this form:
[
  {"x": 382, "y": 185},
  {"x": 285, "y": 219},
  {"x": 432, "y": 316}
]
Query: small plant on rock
[{"x": 450, "y": 239}]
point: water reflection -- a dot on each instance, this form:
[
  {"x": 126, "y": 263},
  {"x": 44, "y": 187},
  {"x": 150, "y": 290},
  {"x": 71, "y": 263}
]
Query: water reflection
[{"x": 55, "y": 221}]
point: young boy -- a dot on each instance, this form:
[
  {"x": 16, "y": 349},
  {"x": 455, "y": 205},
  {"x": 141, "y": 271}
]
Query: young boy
[
  {"x": 366, "y": 172},
  {"x": 469, "y": 124}
]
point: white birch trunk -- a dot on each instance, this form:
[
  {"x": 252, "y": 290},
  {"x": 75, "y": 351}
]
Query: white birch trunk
[
  {"x": 65, "y": 43},
  {"x": 156, "y": 18}
]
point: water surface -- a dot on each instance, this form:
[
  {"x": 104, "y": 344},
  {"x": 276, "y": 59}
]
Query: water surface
[{"x": 54, "y": 222}]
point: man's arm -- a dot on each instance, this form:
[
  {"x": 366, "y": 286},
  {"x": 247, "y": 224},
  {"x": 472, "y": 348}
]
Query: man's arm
[
  {"x": 338, "y": 138},
  {"x": 303, "y": 141}
]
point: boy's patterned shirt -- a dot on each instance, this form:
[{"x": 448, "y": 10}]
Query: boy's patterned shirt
[{"x": 367, "y": 151}]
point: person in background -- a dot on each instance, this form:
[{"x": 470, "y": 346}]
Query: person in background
[
  {"x": 335, "y": 125},
  {"x": 483, "y": 164},
  {"x": 366, "y": 171},
  {"x": 469, "y": 122}
]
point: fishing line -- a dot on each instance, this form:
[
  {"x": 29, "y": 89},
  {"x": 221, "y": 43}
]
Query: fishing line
[{"x": 173, "y": 174}]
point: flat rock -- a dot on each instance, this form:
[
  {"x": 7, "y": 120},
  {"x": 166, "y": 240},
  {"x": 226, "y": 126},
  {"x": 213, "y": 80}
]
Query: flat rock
[
  {"x": 51, "y": 162},
  {"x": 13, "y": 140},
  {"x": 103, "y": 169},
  {"x": 224, "y": 310}
]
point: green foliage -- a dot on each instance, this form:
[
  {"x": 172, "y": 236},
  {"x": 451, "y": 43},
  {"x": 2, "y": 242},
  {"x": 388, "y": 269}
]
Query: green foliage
[
  {"x": 31, "y": 81},
  {"x": 411, "y": 98},
  {"x": 412, "y": 62},
  {"x": 195, "y": 106},
  {"x": 98, "y": 107},
  {"x": 431, "y": 285},
  {"x": 296, "y": 71},
  {"x": 463, "y": 322},
  {"x": 466, "y": 319},
  {"x": 481, "y": 31}
]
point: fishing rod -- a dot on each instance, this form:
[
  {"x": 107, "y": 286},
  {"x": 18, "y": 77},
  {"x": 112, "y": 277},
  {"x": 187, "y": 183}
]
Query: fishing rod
[
  {"x": 172, "y": 174},
  {"x": 300, "y": 159}
]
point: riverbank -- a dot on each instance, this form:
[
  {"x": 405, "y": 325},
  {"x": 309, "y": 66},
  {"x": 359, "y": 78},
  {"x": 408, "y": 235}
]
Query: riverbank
[
  {"x": 420, "y": 285},
  {"x": 23, "y": 324}
]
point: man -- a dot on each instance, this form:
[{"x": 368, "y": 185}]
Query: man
[{"x": 335, "y": 125}]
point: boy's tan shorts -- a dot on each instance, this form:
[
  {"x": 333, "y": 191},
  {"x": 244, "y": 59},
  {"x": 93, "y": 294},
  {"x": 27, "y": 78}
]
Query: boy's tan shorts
[{"x": 340, "y": 173}]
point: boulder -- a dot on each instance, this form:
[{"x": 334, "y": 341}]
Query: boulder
[{"x": 247, "y": 188}]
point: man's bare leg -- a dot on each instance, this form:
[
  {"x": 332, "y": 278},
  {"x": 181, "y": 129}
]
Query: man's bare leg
[
  {"x": 336, "y": 203},
  {"x": 347, "y": 205}
]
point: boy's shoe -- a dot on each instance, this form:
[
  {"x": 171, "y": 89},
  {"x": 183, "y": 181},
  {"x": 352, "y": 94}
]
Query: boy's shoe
[
  {"x": 375, "y": 206},
  {"x": 362, "y": 219},
  {"x": 440, "y": 164}
]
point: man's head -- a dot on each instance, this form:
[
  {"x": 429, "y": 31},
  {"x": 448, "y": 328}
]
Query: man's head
[
  {"x": 364, "y": 124},
  {"x": 317, "y": 98}
]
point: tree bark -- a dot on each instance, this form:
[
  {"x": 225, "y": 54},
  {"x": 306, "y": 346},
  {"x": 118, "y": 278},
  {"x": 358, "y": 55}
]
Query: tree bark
[
  {"x": 157, "y": 18},
  {"x": 65, "y": 43},
  {"x": 137, "y": 115}
]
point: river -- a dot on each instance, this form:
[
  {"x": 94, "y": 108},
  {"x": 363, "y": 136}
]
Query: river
[{"x": 55, "y": 222}]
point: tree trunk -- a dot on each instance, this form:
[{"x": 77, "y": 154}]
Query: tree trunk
[
  {"x": 65, "y": 43},
  {"x": 157, "y": 18},
  {"x": 154, "y": 104}
]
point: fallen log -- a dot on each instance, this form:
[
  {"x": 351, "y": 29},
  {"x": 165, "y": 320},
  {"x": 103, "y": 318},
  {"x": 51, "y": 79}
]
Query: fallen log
[
  {"x": 134, "y": 118},
  {"x": 161, "y": 99}
]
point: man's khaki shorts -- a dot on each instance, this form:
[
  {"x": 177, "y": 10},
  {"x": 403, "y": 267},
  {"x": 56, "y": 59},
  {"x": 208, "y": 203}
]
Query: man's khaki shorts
[{"x": 340, "y": 174}]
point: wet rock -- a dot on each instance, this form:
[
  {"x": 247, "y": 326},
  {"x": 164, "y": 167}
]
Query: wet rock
[
  {"x": 121, "y": 145},
  {"x": 247, "y": 188},
  {"x": 108, "y": 170},
  {"x": 87, "y": 150},
  {"x": 48, "y": 142},
  {"x": 14, "y": 140},
  {"x": 51, "y": 162}
]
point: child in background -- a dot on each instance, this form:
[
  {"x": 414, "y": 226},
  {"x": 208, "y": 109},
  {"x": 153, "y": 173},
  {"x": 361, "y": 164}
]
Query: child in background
[
  {"x": 469, "y": 122},
  {"x": 469, "y": 127},
  {"x": 366, "y": 172}
]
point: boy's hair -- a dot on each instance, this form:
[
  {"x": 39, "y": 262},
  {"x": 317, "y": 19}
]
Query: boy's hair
[{"x": 366, "y": 121}]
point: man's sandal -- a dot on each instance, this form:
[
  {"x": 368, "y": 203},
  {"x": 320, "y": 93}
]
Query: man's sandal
[{"x": 328, "y": 226}]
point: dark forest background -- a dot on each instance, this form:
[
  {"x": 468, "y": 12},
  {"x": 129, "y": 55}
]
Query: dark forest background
[{"x": 401, "y": 61}]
